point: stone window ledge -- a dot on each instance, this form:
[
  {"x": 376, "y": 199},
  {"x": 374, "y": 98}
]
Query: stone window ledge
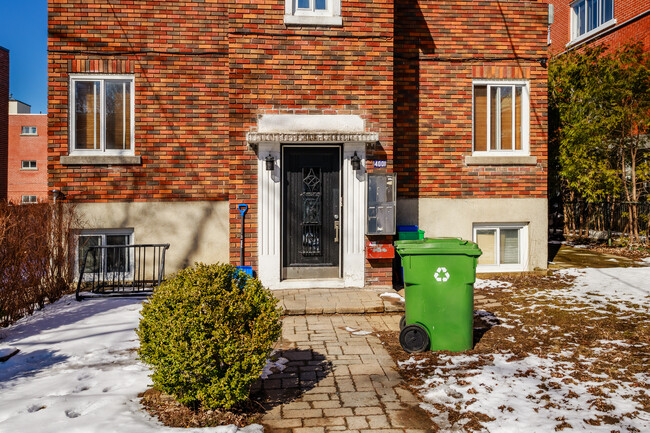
[
  {"x": 101, "y": 160},
  {"x": 500, "y": 160},
  {"x": 313, "y": 20}
]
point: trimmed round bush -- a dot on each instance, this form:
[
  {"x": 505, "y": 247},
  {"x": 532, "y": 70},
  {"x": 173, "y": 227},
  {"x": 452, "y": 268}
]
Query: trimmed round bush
[{"x": 207, "y": 332}]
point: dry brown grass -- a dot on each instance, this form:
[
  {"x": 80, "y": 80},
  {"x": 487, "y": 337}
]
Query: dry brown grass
[{"x": 602, "y": 343}]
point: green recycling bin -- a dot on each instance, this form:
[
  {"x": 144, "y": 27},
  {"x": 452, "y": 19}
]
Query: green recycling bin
[{"x": 439, "y": 277}]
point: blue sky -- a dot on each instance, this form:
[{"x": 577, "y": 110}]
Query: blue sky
[{"x": 23, "y": 31}]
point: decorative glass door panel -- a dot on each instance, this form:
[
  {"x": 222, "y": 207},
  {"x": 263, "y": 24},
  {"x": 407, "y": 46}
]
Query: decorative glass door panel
[{"x": 312, "y": 221}]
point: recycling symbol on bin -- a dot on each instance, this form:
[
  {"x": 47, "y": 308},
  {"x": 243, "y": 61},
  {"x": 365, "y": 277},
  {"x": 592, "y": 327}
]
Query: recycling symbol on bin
[{"x": 441, "y": 275}]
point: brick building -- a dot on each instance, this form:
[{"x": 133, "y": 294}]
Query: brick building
[
  {"x": 27, "y": 155},
  {"x": 181, "y": 111},
  {"x": 4, "y": 119},
  {"x": 577, "y": 23}
]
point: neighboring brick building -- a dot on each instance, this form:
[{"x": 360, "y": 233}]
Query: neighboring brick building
[
  {"x": 4, "y": 119},
  {"x": 577, "y": 23},
  {"x": 183, "y": 110},
  {"x": 27, "y": 155}
]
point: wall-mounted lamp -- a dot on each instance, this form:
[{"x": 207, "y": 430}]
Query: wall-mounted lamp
[
  {"x": 543, "y": 62},
  {"x": 270, "y": 163},
  {"x": 57, "y": 194},
  {"x": 355, "y": 161}
]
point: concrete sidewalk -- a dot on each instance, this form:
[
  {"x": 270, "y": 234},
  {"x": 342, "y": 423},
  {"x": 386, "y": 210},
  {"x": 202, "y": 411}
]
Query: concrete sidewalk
[{"x": 566, "y": 256}]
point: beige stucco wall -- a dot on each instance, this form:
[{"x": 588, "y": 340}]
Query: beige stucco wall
[
  {"x": 196, "y": 231},
  {"x": 455, "y": 217}
]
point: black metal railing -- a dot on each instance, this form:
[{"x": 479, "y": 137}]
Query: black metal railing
[
  {"x": 582, "y": 218},
  {"x": 121, "y": 270}
]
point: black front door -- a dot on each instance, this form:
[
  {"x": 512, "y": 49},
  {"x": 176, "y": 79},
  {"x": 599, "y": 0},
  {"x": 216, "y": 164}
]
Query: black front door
[{"x": 311, "y": 211}]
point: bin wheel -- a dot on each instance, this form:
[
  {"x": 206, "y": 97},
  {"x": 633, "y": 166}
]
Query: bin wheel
[
  {"x": 414, "y": 338},
  {"x": 402, "y": 323}
]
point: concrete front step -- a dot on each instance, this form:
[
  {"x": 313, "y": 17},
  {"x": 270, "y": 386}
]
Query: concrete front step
[
  {"x": 298, "y": 302},
  {"x": 301, "y": 302}
]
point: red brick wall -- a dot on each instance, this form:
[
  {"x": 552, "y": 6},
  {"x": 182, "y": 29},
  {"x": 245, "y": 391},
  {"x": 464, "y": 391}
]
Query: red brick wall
[
  {"x": 177, "y": 52},
  {"x": 205, "y": 71},
  {"x": 440, "y": 48},
  {"x": 4, "y": 119},
  {"x": 624, "y": 11},
  {"x": 27, "y": 147},
  {"x": 315, "y": 70}
]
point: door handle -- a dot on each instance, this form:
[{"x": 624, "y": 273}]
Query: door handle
[{"x": 336, "y": 231}]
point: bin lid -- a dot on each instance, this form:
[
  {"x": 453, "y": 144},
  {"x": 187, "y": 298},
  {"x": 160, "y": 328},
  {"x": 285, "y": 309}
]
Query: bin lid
[
  {"x": 437, "y": 246},
  {"x": 407, "y": 228}
]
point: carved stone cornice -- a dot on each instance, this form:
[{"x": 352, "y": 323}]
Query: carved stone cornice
[{"x": 311, "y": 137}]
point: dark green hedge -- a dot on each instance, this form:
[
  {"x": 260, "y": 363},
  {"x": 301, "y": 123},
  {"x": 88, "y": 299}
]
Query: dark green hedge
[{"x": 207, "y": 332}]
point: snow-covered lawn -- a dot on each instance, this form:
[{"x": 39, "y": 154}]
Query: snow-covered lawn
[
  {"x": 77, "y": 371},
  {"x": 569, "y": 358},
  {"x": 574, "y": 359}
]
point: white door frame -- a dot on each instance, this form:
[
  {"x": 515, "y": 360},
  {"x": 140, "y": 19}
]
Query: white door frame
[
  {"x": 308, "y": 130},
  {"x": 269, "y": 224}
]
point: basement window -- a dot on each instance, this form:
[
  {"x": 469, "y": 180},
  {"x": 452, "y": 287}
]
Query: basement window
[
  {"x": 109, "y": 260},
  {"x": 504, "y": 247}
]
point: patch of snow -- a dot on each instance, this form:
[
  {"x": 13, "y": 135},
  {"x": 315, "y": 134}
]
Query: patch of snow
[
  {"x": 528, "y": 393},
  {"x": 410, "y": 361},
  {"x": 491, "y": 284},
  {"x": 538, "y": 393},
  {"x": 616, "y": 285},
  {"x": 7, "y": 351},
  {"x": 77, "y": 371},
  {"x": 272, "y": 367},
  {"x": 362, "y": 333},
  {"x": 392, "y": 295}
]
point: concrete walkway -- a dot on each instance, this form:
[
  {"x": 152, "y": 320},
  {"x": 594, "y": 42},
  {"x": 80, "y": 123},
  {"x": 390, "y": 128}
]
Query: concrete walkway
[
  {"x": 339, "y": 376},
  {"x": 565, "y": 256}
]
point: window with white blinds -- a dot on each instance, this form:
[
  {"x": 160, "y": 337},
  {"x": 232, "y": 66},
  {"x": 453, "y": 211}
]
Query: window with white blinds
[{"x": 503, "y": 246}]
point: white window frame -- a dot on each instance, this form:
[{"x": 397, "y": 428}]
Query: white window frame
[
  {"x": 574, "y": 27},
  {"x": 328, "y": 17},
  {"x": 26, "y": 164},
  {"x": 28, "y": 199},
  {"x": 525, "y": 118},
  {"x": 28, "y": 130},
  {"x": 102, "y": 115},
  {"x": 523, "y": 246},
  {"x": 103, "y": 233}
]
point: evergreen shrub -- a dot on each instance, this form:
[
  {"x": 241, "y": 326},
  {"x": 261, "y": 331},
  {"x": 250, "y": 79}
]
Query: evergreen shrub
[{"x": 207, "y": 332}]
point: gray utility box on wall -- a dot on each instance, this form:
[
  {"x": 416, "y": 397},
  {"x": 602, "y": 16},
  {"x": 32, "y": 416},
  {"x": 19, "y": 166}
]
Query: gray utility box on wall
[{"x": 380, "y": 208}]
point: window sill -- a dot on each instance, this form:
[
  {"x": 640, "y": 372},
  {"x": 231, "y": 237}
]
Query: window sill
[
  {"x": 501, "y": 160},
  {"x": 313, "y": 20},
  {"x": 495, "y": 269},
  {"x": 101, "y": 160},
  {"x": 29, "y": 135},
  {"x": 589, "y": 35}
]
